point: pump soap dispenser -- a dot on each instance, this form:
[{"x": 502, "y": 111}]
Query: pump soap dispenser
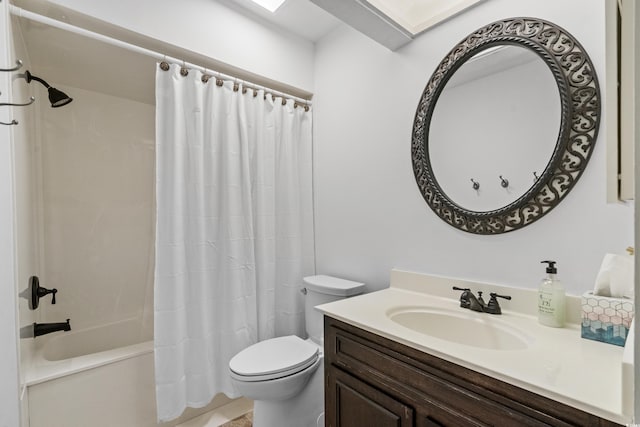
[{"x": 551, "y": 304}]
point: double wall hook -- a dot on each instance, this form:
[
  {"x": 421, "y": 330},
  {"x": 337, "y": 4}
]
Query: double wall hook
[
  {"x": 5, "y": 104},
  {"x": 16, "y": 68}
]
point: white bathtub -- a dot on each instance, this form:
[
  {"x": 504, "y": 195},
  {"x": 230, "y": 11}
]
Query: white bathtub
[{"x": 97, "y": 377}]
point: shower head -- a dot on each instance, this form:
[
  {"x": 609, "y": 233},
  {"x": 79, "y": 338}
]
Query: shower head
[{"x": 57, "y": 98}]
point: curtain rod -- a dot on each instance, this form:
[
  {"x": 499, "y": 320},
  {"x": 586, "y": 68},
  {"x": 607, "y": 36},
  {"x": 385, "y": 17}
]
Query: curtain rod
[{"x": 17, "y": 11}]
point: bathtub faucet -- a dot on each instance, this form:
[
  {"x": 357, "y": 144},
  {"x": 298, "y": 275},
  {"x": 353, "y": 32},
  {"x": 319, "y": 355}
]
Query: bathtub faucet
[{"x": 47, "y": 328}]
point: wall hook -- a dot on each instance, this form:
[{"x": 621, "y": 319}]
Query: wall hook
[
  {"x": 17, "y": 67},
  {"x": 476, "y": 184},
  {"x": 535, "y": 176},
  {"x": 5, "y": 104},
  {"x": 11, "y": 123},
  {"x": 504, "y": 182}
]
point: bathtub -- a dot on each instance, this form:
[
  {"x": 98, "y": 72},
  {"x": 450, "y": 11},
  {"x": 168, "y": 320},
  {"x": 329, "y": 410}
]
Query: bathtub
[{"x": 97, "y": 377}]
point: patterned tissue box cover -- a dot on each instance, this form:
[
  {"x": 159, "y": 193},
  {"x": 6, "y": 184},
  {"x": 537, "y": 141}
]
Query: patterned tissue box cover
[{"x": 606, "y": 319}]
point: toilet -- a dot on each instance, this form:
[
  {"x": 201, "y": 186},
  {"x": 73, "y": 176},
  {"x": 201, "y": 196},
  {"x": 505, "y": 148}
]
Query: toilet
[{"x": 285, "y": 375}]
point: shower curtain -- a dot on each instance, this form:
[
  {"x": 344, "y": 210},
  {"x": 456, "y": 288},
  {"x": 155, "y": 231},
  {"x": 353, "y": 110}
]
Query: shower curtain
[{"x": 234, "y": 233}]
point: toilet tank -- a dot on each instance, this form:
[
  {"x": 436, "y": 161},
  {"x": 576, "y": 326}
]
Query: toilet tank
[{"x": 323, "y": 289}]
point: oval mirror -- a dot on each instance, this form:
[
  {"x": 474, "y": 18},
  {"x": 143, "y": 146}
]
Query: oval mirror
[{"x": 505, "y": 126}]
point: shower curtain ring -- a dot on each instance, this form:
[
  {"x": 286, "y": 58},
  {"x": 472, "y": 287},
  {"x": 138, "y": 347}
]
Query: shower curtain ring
[
  {"x": 205, "y": 77},
  {"x": 183, "y": 70}
]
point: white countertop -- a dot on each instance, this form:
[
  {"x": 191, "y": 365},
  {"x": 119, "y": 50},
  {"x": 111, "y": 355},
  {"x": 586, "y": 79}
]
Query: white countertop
[{"x": 557, "y": 363}]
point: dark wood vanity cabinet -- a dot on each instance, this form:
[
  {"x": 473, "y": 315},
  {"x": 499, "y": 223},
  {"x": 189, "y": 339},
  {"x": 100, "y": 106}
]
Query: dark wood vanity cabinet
[{"x": 371, "y": 381}]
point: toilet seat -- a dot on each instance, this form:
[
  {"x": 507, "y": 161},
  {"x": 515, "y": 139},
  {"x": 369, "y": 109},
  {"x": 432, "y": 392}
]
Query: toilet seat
[{"x": 273, "y": 358}]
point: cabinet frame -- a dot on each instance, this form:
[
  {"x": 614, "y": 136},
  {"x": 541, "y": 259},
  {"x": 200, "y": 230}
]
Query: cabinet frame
[{"x": 439, "y": 392}]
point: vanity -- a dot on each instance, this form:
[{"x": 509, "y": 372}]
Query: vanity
[{"x": 410, "y": 356}]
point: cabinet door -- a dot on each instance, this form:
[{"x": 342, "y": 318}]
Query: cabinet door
[{"x": 353, "y": 403}]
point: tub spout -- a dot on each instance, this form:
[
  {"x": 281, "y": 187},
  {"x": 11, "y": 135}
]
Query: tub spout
[{"x": 47, "y": 328}]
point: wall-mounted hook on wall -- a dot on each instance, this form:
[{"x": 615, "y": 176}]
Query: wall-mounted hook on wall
[
  {"x": 5, "y": 104},
  {"x": 504, "y": 182},
  {"x": 476, "y": 184},
  {"x": 17, "y": 67},
  {"x": 535, "y": 176}
]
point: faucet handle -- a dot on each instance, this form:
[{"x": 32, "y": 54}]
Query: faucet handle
[
  {"x": 44, "y": 291},
  {"x": 493, "y": 307}
]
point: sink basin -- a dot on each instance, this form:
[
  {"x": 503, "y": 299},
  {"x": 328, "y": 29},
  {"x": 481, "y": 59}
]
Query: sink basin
[{"x": 461, "y": 327}]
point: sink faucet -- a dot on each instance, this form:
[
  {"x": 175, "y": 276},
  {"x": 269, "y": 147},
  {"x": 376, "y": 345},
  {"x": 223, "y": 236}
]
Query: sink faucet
[{"x": 470, "y": 301}]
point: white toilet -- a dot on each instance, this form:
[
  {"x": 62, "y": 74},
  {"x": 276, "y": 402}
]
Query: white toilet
[{"x": 284, "y": 376}]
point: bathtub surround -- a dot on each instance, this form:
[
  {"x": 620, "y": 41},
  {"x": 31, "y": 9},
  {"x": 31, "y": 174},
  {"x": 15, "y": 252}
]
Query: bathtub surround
[
  {"x": 97, "y": 166},
  {"x": 234, "y": 232}
]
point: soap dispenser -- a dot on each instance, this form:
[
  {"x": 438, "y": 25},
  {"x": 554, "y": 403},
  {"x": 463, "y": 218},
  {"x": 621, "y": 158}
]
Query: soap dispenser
[{"x": 551, "y": 298}]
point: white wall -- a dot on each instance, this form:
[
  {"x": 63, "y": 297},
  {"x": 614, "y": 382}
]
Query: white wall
[
  {"x": 370, "y": 215},
  {"x": 209, "y": 28},
  {"x": 9, "y": 376}
]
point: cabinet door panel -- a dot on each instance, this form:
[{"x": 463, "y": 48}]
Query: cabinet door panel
[{"x": 357, "y": 404}]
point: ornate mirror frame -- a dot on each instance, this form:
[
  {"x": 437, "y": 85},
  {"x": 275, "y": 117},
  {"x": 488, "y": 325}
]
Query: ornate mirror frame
[{"x": 580, "y": 118}]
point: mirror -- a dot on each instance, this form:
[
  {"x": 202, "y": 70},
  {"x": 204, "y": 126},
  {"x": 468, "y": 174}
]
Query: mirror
[
  {"x": 508, "y": 105},
  {"x": 505, "y": 126}
]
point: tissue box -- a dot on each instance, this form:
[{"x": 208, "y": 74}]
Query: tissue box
[{"x": 606, "y": 319}]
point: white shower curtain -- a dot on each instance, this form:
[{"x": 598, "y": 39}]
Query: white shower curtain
[{"x": 234, "y": 233}]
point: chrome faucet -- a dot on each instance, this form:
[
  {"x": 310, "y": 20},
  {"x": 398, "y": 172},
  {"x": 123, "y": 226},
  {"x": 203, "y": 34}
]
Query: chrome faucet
[{"x": 470, "y": 301}]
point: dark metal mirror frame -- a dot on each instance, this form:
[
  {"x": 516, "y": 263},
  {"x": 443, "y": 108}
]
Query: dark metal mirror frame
[{"x": 580, "y": 118}]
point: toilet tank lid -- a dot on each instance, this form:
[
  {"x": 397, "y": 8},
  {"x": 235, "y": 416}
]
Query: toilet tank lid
[{"x": 333, "y": 286}]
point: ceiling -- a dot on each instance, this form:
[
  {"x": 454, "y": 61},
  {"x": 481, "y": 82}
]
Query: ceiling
[{"x": 300, "y": 17}]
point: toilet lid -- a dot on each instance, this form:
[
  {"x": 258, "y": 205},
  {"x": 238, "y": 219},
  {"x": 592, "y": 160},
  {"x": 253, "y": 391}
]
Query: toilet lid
[{"x": 273, "y": 358}]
